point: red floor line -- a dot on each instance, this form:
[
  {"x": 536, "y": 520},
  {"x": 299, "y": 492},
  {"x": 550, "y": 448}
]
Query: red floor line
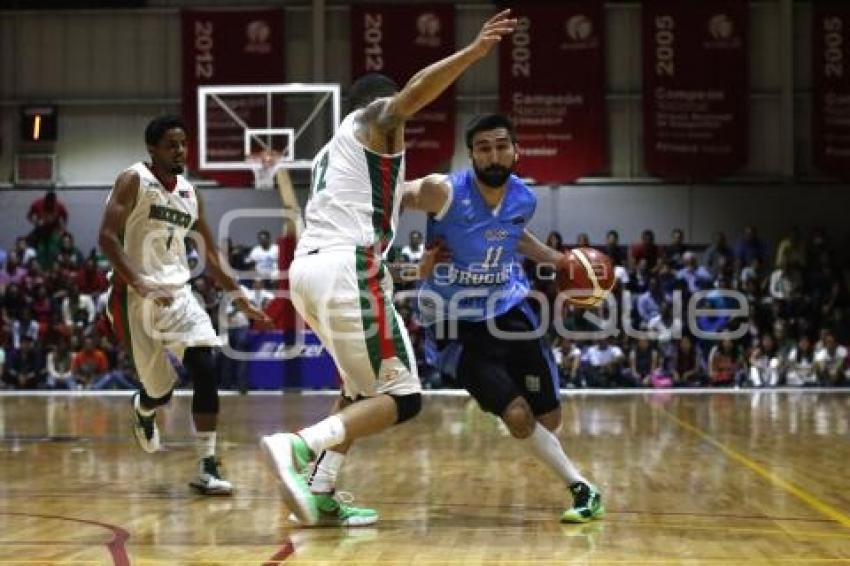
[
  {"x": 116, "y": 547},
  {"x": 285, "y": 552}
]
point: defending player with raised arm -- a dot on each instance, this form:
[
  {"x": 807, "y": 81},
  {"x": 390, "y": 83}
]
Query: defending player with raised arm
[
  {"x": 479, "y": 216},
  {"x": 149, "y": 212},
  {"x": 340, "y": 286}
]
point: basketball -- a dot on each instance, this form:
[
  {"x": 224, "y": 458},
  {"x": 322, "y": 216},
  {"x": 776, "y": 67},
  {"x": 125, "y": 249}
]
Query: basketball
[{"x": 587, "y": 275}]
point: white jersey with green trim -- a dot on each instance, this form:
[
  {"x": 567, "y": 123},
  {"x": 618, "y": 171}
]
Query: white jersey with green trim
[
  {"x": 156, "y": 227},
  {"x": 355, "y": 195}
]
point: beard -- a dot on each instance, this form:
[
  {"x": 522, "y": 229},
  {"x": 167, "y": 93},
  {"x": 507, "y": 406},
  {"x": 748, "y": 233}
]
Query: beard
[
  {"x": 177, "y": 169},
  {"x": 493, "y": 176}
]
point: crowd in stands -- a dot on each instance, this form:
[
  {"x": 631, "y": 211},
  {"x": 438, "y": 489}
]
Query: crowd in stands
[
  {"x": 55, "y": 334},
  {"x": 796, "y": 333}
]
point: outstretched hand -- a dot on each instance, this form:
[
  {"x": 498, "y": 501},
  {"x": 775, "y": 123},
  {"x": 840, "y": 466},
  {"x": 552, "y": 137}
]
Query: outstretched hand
[{"x": 492, "y": 32}]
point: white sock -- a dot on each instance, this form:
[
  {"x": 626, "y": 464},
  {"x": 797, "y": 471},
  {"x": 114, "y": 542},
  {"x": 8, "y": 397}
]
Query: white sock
[
  {"x": 323, "y": 479},
  {"x": 141, "y": 410},
  {"x": 205, "y": 444},
  {"x": 547, "y": 448},
  {"x": 324, "y": 434}
]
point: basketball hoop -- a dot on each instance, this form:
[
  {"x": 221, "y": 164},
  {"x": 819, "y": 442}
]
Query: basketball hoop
[{"x": 265, "y": 164}]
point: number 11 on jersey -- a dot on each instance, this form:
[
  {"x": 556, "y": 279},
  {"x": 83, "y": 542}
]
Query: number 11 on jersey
[{"x": 494, "y": 254}]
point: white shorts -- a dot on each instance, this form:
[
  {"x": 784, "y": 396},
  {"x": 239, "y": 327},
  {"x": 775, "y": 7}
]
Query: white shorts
[
  {"x": 151, "y": 332},
  {"x": 345, "y": 296}
]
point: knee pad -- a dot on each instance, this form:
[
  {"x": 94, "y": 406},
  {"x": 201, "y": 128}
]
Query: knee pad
[
  {"x": 407, "y": 406},
  {"x": 149, "y": 402},
  {"x": 200, "y": 363}
]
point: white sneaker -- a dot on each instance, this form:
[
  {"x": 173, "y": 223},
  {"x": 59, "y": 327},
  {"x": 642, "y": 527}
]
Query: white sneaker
[
  {"x": 145, "y": 429},
  {"x": 288, "y": 457},
  {"x": 209, "y": 480}
]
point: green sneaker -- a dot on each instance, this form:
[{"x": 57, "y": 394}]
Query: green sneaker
[
  {"x": 587, "y": 504},
  {"x": 335, "y": 510},
  {"x": 289, "y": 456}
]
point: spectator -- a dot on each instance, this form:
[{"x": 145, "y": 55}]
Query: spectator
[
  {"x": 568, "y": 358},
  {"x": 649, "y": 303},
  {"x": 122, "y": 376},
  {"x": 639, "y": 279},
  {"x": 26, "y": 366},
  {"x": 676, "y": 250},
  {"x": 13, "y": 302},
  {"x": 725, "y": 364},
  {"x": 754, "y": 272},
  {"x": 784, "y": 343},
  {"x": 412, "y": 252},
  {"x": 666, "y": 277},
  {"x": 819, "y": 247},
  {"x": 792, "y": 250},
  {"x": 582, "y": 240},
  {"x": 750, "y": 246},
  {"x": 801, "y": 364},
  {"x": 89, "y": 365},
  {"x": 693, "y": 274},
  {"x": 644, "y": 363},
  {"x": 90, "y": 280},
  {"x": 605, "y": 364},
  {"x": 259, "y": 296},
  {"x": 234, "y": 371},
  {"x": 48, "y": 216},
  {"x": 612, "y": 248},
  {"x": 764, "y": 363},
  {"x": 13, "y": 273},
  {"x": 555, "y": 241},
  {"x": 718, "y": 255},
  {"x": 645, "y": 250},
  {"x": 25, "y": 325},
  {"x": 77, "y": 309},
  {"x": 23, "y": 252},
  {"x": 263, "y": 256},
  {"x": 831, "y": 362},
  {"x": 69, "y": 254},
  {"x": 687, "y": 370},
  {"x": 59, "y": 374},
  {"x": 785, "y": 283}
]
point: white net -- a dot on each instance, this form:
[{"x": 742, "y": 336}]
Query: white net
[{"x": 264, "y": 165}]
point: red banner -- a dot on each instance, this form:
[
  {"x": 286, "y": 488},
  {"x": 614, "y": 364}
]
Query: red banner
[
  {"x": 831, "y": 87},
  {"x": 229, "y": 47},
  {"x": 399, "y": 40},
  {"x": 695, "y": 87},
  {"x": 552, "y": 85}
]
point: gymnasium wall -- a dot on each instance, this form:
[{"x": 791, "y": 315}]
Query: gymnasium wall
[{"x": 109, "y": 71}]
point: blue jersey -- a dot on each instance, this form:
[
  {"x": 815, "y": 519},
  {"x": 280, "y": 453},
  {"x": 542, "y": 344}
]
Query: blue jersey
[{"x": 485, "y": 277}]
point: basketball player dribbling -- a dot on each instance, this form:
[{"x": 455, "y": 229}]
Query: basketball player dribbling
[
  {"x": 341, "y": 287},
  {"x": 149, "y": 212},
  {"x": 479, "y": 217}
]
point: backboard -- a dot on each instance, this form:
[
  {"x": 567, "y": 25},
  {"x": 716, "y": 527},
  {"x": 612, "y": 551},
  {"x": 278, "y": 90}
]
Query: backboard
[{"x": 237, "y": 121}]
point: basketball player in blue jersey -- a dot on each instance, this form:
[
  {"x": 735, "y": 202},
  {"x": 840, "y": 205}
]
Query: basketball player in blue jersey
[{"x": 480, "y": 215}]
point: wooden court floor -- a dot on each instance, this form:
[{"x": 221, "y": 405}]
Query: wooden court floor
[{"x": 746, "y": 478}]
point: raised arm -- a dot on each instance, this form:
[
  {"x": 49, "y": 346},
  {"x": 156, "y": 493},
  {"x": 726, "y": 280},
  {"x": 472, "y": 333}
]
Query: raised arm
[
  {"x": 537, "y": 251},
  {"x": 429, "y": 194},
  {"x": 425, "y": 86}
]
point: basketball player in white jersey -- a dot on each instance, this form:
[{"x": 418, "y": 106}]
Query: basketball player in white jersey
[
  {"x": 150, "y": 211},
  {"x": 341, "y": 286}
]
